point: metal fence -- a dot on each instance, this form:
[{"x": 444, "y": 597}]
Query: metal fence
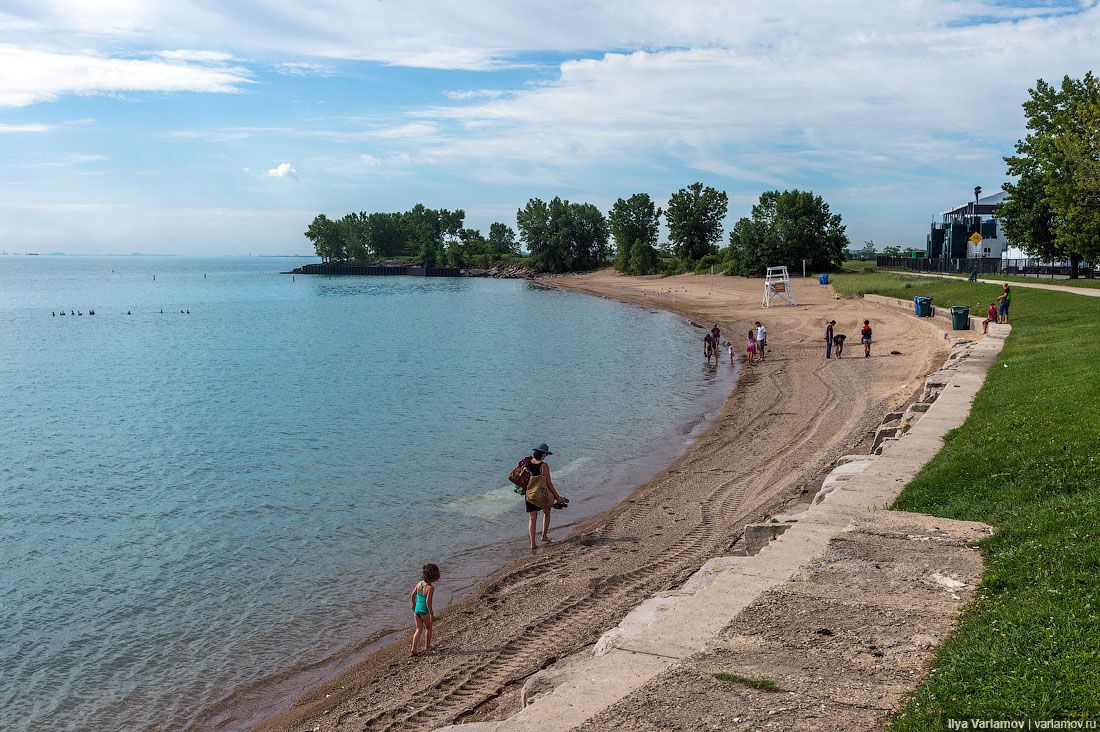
[{"x": 988, "y": 265}]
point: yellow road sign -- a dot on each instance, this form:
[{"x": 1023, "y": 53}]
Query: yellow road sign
[{"x": 976, "y": 238}]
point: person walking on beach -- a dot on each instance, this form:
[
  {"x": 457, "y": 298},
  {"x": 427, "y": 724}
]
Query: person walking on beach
[
  {"x": 717, "y": 333},
  {"x": 710, "y": 348},
  {"x": 1005, "y": 299},
  {"x": 865, "y": 338},
  {"x": 829, "y": 339},
  {"x": 421, "y": 597},
  {"x": 761, "y": 339},
  {"x": 540, "y": 494},
  {"x": 990, "y": 317},
  {"x": 750, "y": 346},
  {"x": 838, "y": 344}
]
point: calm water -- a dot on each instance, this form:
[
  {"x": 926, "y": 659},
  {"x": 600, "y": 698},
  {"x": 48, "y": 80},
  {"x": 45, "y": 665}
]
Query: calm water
[{"x": 191, "y": 503}]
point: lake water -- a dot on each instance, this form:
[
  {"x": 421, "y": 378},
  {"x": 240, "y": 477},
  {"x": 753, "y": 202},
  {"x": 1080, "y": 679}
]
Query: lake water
[{"x": 191, "y": 503}]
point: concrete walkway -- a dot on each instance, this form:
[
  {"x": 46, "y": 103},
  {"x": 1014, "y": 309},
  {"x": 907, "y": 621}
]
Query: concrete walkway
[
  {"x": 1086, "y": 291},
  {"x": 842, "y": 611}
]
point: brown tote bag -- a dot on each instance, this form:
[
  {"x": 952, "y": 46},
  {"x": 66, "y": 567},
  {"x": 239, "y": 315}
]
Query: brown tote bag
[{"x": 538, "y": 494}]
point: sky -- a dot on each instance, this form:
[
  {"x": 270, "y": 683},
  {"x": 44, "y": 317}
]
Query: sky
[{"x": 204, "y": 127}]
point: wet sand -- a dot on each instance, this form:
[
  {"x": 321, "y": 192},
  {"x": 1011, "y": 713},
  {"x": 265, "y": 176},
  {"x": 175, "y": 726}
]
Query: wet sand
[{"x": 787, "y": 421}]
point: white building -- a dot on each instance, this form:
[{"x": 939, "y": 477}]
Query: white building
[{"x": 955, "y": 238}]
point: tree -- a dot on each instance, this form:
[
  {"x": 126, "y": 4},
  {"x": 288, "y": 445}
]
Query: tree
[
  {"x": 694, "y": 219},
  {"x": 563, "y": 236},
  {"x": 868, "y": 250},
  {"x": 1057, "y": 164},
  {"x": 387, "y": 234},
  {"x": 634, "y": 222},
  {"x": 356, "y": 236},
  {"x": 891, "y": 251},
  {"x": 502, "y": 239},
  {"x": 785, "y": 228},
  {"x": 644, "y": 259},
  {"x": 1027, "y": 218},
  {"x": 450, "y": 224},
  {"x": 326, "y": 237}
]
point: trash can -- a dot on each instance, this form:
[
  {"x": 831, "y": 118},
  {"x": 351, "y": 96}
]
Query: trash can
[
  {"x": 922, "y": 304},
  {"x": 960, "y": 317},
  {"x": 823, "y": 279}
]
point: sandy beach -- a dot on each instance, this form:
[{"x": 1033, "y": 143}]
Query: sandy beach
[{"x": 779, "y": 433}]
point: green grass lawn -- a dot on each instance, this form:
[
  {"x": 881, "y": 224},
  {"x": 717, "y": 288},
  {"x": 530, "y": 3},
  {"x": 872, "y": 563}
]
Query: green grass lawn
[
  {"x": 1079, "y": 282},
  {"x": 1026, "y": 461},
  {"x": 858, "y": 265}
]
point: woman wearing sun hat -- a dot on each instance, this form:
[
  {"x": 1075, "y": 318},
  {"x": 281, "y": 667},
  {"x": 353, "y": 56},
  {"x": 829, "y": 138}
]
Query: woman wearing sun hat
[{"x": 540, "y": 494}]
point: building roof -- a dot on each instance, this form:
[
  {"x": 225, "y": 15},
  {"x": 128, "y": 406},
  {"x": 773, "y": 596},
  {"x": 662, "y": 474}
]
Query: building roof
[{"x": 985, "y": 205}]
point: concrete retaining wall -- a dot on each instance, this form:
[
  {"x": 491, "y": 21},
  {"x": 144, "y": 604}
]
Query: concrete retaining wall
[{"x": 941, "y": 313}]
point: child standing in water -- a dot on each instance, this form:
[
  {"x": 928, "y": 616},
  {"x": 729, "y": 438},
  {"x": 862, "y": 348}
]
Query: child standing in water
[
  {"x": 731, "y": 352},
  {"x": 421, "y": 597},
  {"x": 750, "y": 346}
]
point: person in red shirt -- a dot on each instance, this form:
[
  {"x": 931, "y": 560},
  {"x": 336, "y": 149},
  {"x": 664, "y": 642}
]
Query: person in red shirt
[
  {"x": 865, "y": 338},
  {"x": 990, "y": 317}
]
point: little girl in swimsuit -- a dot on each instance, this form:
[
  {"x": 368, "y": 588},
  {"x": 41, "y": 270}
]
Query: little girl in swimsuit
[
  {"x": 750, "y": 346},
  {"x": 421, "y": 597}
]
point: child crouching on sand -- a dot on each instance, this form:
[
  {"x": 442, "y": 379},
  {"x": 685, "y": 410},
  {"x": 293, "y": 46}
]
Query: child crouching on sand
[{"x": 421, "y": 597}]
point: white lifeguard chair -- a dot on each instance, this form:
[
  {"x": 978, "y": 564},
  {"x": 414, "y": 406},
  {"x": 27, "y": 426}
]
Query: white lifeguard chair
[{"x": 777, "y": 284}]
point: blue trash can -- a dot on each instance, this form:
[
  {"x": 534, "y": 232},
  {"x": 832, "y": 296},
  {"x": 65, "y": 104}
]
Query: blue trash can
[
  {"x": 823, "y": 278},
  {"x": 922, "y": 305}
]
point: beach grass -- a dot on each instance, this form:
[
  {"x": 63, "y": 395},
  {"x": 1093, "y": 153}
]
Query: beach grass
[
  {"x": 758, "y": 684},
  {"x": 1027, "y": 462}
]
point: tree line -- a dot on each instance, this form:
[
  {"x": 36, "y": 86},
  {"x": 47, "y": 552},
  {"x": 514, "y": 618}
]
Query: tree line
[
  {"x": 1053, "y": 209},
  {"x": 437, "y": 237},
  {"x": 785, "y": 227}
]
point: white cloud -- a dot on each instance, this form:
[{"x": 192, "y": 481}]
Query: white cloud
[
  {"x": 485, "y": 34},
  {"x": 782, "y": 100},
  {"x": 206, "y": 57},
  {"x": 15, "y": 129},
  {"x": 30, "y": 76},
  {"x": 464, "y": 94},
  {"x": 283, "y": 170},
  {"x": 410, "y": 131},
  {"x": 301, "y": 68}
]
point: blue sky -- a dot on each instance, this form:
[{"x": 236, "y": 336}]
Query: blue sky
[{"x": 186, "y": 128}]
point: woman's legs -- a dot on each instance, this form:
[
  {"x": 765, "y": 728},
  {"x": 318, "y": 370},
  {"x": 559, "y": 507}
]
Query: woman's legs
[
  {"x": 546, "y": 523},
  {"x": 531, "y": 517},
  {"x": 416, "y": 634}
]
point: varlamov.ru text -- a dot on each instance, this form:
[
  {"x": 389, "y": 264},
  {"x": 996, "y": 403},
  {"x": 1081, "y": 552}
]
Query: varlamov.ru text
[{"x": 1024, "y": 724}]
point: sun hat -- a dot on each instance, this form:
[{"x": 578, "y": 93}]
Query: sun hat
[{"x": 542, "y": 448}]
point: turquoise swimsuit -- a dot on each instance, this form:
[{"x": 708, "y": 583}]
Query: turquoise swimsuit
[{"x": 421, "y": 607}]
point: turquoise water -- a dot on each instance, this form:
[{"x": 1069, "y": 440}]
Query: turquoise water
[{"x": 190, "y": 503}]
